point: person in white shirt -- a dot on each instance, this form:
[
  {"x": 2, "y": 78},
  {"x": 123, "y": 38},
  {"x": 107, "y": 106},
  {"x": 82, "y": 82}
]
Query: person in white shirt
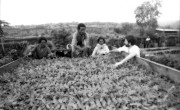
[
  {"x": 101, "y": 48},
  {"x": 130, "y": 47},
  {"x": 147, "y": 42}
]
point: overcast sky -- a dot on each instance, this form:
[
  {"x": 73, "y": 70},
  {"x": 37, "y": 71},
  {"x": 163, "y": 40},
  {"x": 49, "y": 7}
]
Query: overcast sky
[{"x": 28, "y": 12}]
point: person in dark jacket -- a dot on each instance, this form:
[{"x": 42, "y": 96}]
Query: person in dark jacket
[{"x": 40, "y": 50}]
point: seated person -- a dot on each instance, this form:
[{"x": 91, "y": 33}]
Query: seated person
[
  {"x": 130, "y": 47},
  {"x": 101, "y": 48},
  {"x": 80, "y": 41},
  {"x": 40, "y": 50}
]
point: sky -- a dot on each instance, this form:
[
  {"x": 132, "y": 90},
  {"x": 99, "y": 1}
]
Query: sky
[{"x": 28, "y": 12}]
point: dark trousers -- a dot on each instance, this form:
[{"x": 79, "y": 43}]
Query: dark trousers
[{"x": 82, "y": 53}]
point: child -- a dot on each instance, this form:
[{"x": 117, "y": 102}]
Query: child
[
  {"x": 101, "y": 48},
  {"x": 130, "y": 47}
]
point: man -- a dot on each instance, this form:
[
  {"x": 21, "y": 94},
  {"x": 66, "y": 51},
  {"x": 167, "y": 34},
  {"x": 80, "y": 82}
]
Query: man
[
  {"x": 40, "y": 50},
  {"x": 130, "y": 47},
  {"x": 147, "y": 42},
  {"x": 80, "y": 41}
]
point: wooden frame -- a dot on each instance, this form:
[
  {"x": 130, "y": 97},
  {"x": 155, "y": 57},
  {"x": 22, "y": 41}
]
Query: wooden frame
[
  {"x": 10, "y": 66},
  {"x": 172, "y": 73}
]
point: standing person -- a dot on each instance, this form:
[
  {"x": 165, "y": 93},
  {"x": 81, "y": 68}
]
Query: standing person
[
  {"x": 40, "y": 50},
  {"x": 80, "y": 41},
  {"x": 101, "y": 48},
  {"x": 147, "y": 42},
  {"x": 130, "y": 47}
]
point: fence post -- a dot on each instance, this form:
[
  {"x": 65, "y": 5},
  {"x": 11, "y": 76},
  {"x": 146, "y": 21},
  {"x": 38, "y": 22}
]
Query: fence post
[{"x": 2, "y": 44}]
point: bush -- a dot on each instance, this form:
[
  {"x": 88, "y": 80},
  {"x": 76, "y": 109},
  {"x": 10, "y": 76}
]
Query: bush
[
  {"x": 14, "y": 48},
  {"x": 115, "y": 42},
  {"x": 93, "y": 40},
  {"x": 61, "y": 37}
]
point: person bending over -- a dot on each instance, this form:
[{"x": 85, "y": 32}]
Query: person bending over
[
  {"x": 130, "y": 47},
  {"x": 101, "y": 48}
]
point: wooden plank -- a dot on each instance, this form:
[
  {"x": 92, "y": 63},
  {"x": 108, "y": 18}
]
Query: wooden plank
[
  {"x": 162, "y": 52},
  {"x": 2, "y": 44},
  {"x": 25, "y": 39},
  {"x": 172, "y": 73},
  {"x": 10, "y": 66},
  {"x": 160, "y": 48}
]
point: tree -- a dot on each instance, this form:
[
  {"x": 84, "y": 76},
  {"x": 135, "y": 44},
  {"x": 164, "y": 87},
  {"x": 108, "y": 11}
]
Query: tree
[
  {"x": 146, "y": 16},
  {"x": 3, "y": 24},
  {"x": 124, "y": 29},
  {"x": 61, "y": 37}
]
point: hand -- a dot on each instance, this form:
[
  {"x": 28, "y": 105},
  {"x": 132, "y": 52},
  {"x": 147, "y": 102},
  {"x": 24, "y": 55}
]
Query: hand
[
  {"x": 51, "y": 55},
  {"x": 113, "y": 47},
  {"x": 83, "y": 48},
  {"x": 30, "y": 53},
  {"x": 111, "y": 51},
  {"x": 117, "y": 64},
  {"x": 94, "y": 56}
]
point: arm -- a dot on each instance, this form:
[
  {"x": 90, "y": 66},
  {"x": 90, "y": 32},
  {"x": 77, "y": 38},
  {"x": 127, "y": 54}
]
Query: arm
[
  {"x": 130, "y": 56},
  {"x": 124, "y": 48},
  {"x": 94, "y": 51},
  {"x": 50, "y": 54},
  {"x": 29, "y": 50},
  {"x": 87, "y": 41},
  {"x": 106, "y": 49},
  {"x": 51, "y": 45},
  {"x": 49, "y": 50},
  {"x": 116, "y": 50},
  {"x": 74, "y": 42}
]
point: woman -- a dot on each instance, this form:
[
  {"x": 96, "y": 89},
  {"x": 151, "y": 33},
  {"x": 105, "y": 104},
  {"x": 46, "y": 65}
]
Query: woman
[{"x": 101, "y": 48}]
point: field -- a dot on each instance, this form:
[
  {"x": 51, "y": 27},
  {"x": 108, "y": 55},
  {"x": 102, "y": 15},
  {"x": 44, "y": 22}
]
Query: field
[{"x": 86, "y": 84}]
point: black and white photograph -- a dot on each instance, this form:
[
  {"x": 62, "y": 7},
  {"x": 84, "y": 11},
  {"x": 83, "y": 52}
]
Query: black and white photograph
[{"x": 89, "y": 54}]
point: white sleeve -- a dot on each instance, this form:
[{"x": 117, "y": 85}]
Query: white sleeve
[
  {"x": 86, "y": 42},
  {"x": 124, "y": 49},
  {"x": 95, "y": 50},
  {"x": 135, "y": 50},
  {"x": 73, "y": 43},
  {"x": 106, "y": 49}
]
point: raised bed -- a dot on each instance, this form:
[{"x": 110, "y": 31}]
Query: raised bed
[
  {"x": 90, "y": 84},
  {"x": 10, "y": 66},
  {"x": 172, "y": 73}
]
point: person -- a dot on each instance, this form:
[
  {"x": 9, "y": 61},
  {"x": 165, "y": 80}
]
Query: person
[
  {"x": 147, "y": 42},
  {"x": 130, "y": 47},
  {"x": 40, "y": 50},
  {"x": 80, "y": 41},
  {"x": 101, "y": 48}
]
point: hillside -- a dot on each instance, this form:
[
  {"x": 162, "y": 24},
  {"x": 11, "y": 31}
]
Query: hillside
[
  {"x": 38, "y": 30},
  {"x": 103, "y": 28}
]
